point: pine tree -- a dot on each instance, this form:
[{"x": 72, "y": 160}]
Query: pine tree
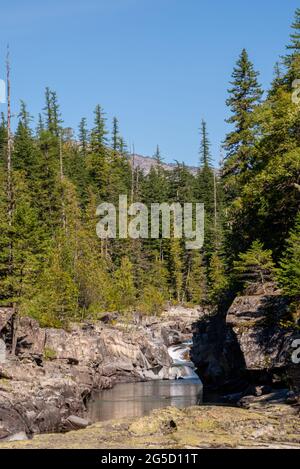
[
  {"x": 292, "y": 59},
  {"x": 218, "y": 281},
  {"x": 115, "y": 140},
  {"x": 180, "y": 184},
  {"x": 52, "y": 112},
  {"x": 55, "y": 301},
  {"x": 98, "y": 165},
  {"x": 123, "y": 146},
  {"x": 289, "y": 271},
  {"x": 99, "y": 132},
  {"x": 195, "y": 278},
  {"x": 40, "y": 126},
  {"x": 244, "y": 96},
  {"x": 204, "y": 191},
  {"x": 24, "y": 153},
  {"x": 155, "y": 289},
  {"x": 176, "y": 268},
  {"x": 83, "y": 136},
  {"x": 255, "y": 266},
  {"x": 125, "y": 293},
  {"x": 157, "y": 156},
  {"x": 205, "y": 158},
  {"x": 57, "y": 121}
]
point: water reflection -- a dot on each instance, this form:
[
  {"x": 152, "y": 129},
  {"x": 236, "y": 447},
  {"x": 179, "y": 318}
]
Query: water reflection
[{"x": 138, "y": 399}]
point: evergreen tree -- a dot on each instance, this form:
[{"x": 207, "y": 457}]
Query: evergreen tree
[
  {"x": 55, "y": 126},
  {"x": 244, "y": 96},
  {"x": 52, "y": 112},
  {"x": 125, "y": 293},
  {"x": 176, "y": 268},
  {"x": 255, "y": 266},
  {"x": 205, "y": 158},
  {"x": 195, "y": 278},
  {"x": 24, "y": 153},
  {"x": 40, "y": 126},
  {"x": 218, "y": 281},
  {"x": 115, "y": 140},
  {"x": 204, "y": 191},
  {"x": 157, "y": 156},
  {"x": 99, "y": 132},
  {"x": 292, "y": 59},
  {"x": 289, "y": 271},
  {"x": 83, "y": 136}
]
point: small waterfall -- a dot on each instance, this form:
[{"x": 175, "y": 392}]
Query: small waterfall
[{"x": 183, "y": 367}]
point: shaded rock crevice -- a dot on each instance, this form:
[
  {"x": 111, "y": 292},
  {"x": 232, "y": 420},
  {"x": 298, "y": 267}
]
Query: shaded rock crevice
[{"x": 249, "y": 345}]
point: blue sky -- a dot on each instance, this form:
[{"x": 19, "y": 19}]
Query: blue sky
[{"x": 160, "y": 66}]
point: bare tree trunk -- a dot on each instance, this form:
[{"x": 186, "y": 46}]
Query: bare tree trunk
[
  {"x": 9, "y": 182},
  {"x": 64, "y": 224},
  {"x": 9, "y": 142}
]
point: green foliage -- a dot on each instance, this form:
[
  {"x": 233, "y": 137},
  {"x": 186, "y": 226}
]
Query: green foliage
[
  {"x": 205, "y": 158},
  {"x": 152, "y": 301},
  {"x": 292, "y": 59},
  {"x": 195, "y": 278},
  {"x": 125, "y": 292},
  {"x": 218, "y": 281},
  {"x": 49, "y": 353},
  {"x": 244, "y": 95},
  {"x": 53, "y": 266},
  {"x": 255, "y": 265},
  {"x": 289, "y": 270}
]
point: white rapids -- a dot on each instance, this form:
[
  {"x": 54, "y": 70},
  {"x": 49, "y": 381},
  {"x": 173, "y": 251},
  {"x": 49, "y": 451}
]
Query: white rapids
[{"x": 183, "y": 367}]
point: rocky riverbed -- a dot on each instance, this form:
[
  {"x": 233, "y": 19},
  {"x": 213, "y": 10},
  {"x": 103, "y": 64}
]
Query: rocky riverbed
[
  {"x": 244, "y": 354},
  {"x": 49, "y": 374}
]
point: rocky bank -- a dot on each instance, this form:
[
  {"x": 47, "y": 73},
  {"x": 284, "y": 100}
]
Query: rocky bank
[
  {"x": 248, "y": 348},
  {"x": 47, "y": 375},
  {"x": 275, "y": 426}
]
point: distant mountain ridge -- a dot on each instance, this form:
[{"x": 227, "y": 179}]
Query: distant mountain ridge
[{"x": 145, "y": 163}]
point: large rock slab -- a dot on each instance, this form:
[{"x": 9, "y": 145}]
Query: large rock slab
[{"x": 250, "y": 343}]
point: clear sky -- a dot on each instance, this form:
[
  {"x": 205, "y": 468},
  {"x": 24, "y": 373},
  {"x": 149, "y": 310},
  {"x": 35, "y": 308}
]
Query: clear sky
[{"x": 160, "y": 66}]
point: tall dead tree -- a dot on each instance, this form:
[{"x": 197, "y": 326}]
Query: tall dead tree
[
  {"x": 10, "y": 199},
  {"x": 9, "y": 144},
  {"x": 61, "y": 166}
]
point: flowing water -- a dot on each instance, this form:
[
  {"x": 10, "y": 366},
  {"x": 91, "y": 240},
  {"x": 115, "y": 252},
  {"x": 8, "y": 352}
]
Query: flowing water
[{"x": 183, "y": 389}]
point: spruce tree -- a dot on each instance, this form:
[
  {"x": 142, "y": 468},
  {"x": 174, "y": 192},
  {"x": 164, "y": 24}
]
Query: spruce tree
[
  {"x": 176, "y": 268},
  {"x": 52, "y": 112},
  {"x": 157, "y": 156},
  {"x": 292, "y": 59},
  {"x": 255, "y": 266},
  {"x": 99, "y": 132},
  {"x": 97, "y": 161},
  {"x": 204, "y": 191},
  {"x": 83, "y": 136},
  {"x": 205, "y": 157},
  {"x": 24, "y": 153},
  {"x": 244, "y": 96},
  {"x": 195, "y": 278},
  {"x": 289, "y": 271},
  {"x": 115, "y": 139},
  {"x": 125, "y": 292}
]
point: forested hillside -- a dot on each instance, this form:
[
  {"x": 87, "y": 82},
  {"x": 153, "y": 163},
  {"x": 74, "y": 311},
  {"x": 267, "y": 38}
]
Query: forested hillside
[{"x": 55, "y": 268}]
